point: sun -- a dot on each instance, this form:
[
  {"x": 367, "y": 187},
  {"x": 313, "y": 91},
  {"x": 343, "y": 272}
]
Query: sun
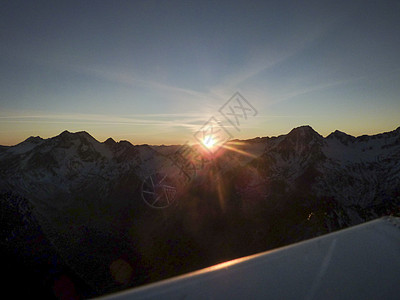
[{"x": 208, "y": 141}]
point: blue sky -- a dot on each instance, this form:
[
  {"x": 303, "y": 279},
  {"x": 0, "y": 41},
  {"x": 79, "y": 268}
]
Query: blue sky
[{"x": 155, "y": 71}]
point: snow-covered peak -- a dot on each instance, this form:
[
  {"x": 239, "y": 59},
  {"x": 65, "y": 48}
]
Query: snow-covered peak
[
  {"x": 342, "y": 147},
  {"x": 304, "y": 131},
  {"x": 68, "y": 136},
  {"x": 344, "y": 138},
  {"x": 26, "y": 145},
  {"x": 299, "y": 142}
]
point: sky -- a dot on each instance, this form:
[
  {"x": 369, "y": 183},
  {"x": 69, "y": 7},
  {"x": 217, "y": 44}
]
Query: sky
[{"x": 156, "y": 71}]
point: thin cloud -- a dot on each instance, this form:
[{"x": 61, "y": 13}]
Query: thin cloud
[
  {"x": 134, "y": 80},
  {"x": 183, "y": 121}
]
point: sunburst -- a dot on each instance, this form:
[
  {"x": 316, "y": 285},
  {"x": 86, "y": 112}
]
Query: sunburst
[{"x": 209, "y": 142}]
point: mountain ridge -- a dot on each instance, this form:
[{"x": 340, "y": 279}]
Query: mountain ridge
[
  {"x": 300, "y": 129},
  {"x": 93, "y": 201}
]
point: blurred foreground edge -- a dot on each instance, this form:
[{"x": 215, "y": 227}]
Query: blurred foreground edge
[{"x": 361, "y": 262}]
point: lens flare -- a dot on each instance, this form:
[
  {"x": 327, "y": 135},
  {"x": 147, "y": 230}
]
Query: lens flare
[{"x": 209, "y": 142}]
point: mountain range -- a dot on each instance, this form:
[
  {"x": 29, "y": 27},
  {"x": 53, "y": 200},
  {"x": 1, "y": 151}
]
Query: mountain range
[{"x": 104, "y": 216}]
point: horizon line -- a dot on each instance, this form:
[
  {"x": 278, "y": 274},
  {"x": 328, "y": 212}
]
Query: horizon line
[{"x": 178, "y": 144}]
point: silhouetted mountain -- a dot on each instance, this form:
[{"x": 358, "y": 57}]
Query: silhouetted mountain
[
  {"x": 342, "y": 137},
  {"x": 87, "y": 204},
  {"x": 110, "y": 142}
]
